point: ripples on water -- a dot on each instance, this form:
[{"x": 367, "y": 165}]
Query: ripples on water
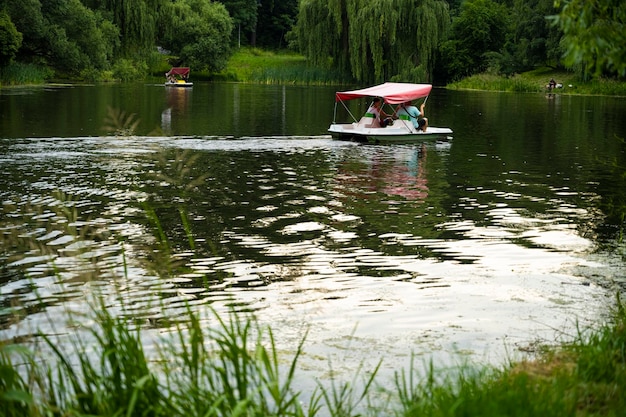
[{"x": 377, "y": 251}]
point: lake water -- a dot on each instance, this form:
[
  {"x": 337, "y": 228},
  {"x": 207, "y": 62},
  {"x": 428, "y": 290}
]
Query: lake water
[{"x": 476, "y": 246}]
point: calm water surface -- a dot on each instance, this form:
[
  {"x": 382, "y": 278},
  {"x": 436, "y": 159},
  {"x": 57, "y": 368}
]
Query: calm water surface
[{"x": 478, "y": 245}]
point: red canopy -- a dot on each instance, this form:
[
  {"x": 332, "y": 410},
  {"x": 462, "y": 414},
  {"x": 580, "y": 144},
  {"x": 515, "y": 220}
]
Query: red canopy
[
  {"x": 392, "y": 93},
  {"x": 178, "y": 71}
]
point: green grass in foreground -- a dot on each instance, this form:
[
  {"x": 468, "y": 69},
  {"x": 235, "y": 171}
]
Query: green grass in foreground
[
  {"x": 254, "y": 65},
  {"x": 536, "y": 81},
  {"x": 234, "y": 369},
  {"x": 584, "y": 378}
]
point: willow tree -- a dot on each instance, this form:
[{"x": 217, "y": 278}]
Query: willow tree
[
  {"x": 137, "y": 22},
  {"x": 374, "y": 40}
]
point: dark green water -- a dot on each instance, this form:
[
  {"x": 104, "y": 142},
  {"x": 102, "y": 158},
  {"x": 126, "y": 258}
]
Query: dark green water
[{"x": 234, "y": 195}]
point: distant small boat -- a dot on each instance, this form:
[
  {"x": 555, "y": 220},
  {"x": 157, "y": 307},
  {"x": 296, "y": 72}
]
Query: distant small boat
[
  {"x": 178, "y": 77},
  {"x": 368, "y": 129}
]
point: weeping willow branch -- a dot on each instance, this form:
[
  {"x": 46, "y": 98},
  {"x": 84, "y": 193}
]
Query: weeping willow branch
[{"x": 374, "y": 40}]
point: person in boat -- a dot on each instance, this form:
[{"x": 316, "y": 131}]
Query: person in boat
[
  {"x": 407, "y": 111},
  {"x": 375, "y": 111}
]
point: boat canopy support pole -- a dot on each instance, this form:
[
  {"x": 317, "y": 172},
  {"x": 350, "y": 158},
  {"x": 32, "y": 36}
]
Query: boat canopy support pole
[{"x": 347, "y": 109}]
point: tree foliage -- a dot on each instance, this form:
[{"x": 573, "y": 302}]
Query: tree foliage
[
  {"x": 368, "y": 40},
  {"x": 137, "y": 22},
  {"x": 276, "y": 18},
  {"x": 373, "y": 40},
  {"x": 197, "y": 30},
  {"x": 531, "y": 40},
  {"x": 77, "y": 36},
  {"x": 244, "y": 14},
  {"x": 263, "y": 23},
  {"x": 61, "y": 33},
  {"x": 10, "y": 39},
  {"x": 594, "y": 35},
  {"x": 478, "y": 30}
]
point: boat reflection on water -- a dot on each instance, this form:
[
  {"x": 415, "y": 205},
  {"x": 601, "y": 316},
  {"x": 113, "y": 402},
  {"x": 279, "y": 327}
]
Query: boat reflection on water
[
  {"x": 398, "y": 171},
  {"x": 177, "y": 100},
  {"x": 408, "y": 176}
]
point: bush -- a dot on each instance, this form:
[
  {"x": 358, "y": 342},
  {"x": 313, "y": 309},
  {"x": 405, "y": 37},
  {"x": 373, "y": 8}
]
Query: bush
[{"x": 127, "y": 70}]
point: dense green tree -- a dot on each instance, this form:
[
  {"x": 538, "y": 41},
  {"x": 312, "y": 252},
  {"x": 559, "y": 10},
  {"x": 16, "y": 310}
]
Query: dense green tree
[
  {"x": 198, "y": 32},
  {"x": 531, "y": 40},
  {"x": 373, "y": 40},
  {"x": 594, "y": 35},
  {"x": 276, "y": 18},
  {"x": 63, "y": 34},
  {"x": 455, "y": 6},
  {"x": 83, "y": 39},
  {"x": 245, "y": 15},
  {"x": 369, "y": 40},
  {"x": 75, "y": 36},
  {"x": 479, "y": 30},
  {"x": 10, "y": 39},
  {"x": 29, "y": 21}
]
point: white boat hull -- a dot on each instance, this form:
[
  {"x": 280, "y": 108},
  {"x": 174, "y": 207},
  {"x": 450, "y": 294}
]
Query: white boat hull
[
  {"x": 170, "y": 84},
  {"x": 400, "y": 133}
]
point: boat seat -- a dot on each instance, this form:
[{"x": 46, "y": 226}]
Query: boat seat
[{"x": 368, "y": 121}]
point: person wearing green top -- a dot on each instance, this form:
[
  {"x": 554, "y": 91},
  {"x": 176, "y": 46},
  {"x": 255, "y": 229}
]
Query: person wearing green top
[
  {"x": 375, "y": 111},
  {"x": 406, "y": 111}
]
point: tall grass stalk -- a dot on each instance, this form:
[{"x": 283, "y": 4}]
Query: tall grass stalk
[
  {"x": 228, "y": 367},
  {"x": 584, "y": 377},
  {"x": 237, "y": 373},
  {"x": 19, "y": 74},
  {"x": 265, "y": 67},
  {"x": 301, "y": 74},
  {"x": 119, "y": 383},
  {"x": 15, "y": 391}
]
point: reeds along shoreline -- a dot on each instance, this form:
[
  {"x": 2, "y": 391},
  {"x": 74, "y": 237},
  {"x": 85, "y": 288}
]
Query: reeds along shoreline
[
  {"x": 234, "y": 368},
  {"x": 22, "y": 74},
  {"x": 230, "y": 368},
  {"x": 534, "y": 82}
]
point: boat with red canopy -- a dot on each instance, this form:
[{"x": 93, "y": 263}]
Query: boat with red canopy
[
  {"x": 178, "y": 77},
  {"x": 369, "y": 128}
]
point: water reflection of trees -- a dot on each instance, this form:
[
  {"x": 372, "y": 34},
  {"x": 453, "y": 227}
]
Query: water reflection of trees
[
  {"x": 49, "y": 246},
  {"x": 613, "y": 191},
  {"x": 259, "y": 216}
]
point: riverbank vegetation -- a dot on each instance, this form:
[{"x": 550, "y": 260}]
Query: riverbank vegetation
[
  {"x": 445, "y": 41},
  {"x": 229, "y": 365},
  {"x": 536, "y": 81},
  {"x": 254, "y": 65},
  {"x": 365, "y": 42}
]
